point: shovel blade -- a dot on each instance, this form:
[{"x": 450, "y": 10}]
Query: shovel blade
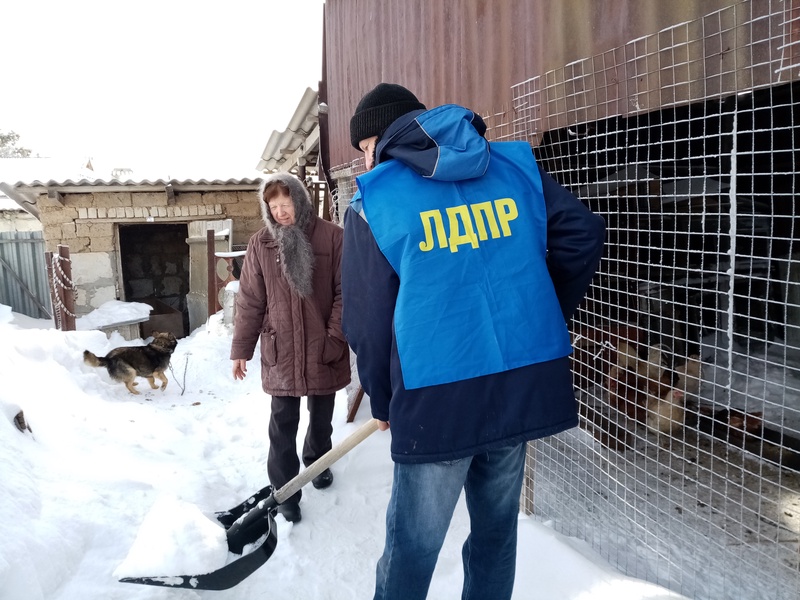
[
  {"x": 246, "y": 522},
  {"x": 223, "y": 578}
]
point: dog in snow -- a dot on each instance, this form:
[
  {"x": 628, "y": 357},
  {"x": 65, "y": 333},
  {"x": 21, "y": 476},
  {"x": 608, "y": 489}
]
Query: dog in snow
[{"x": 127, "y": 363}]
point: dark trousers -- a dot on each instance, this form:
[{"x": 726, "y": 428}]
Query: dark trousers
[{"x": 283, "y": 463}]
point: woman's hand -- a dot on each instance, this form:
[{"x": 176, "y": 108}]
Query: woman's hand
[{"x": 239, "y": 368}]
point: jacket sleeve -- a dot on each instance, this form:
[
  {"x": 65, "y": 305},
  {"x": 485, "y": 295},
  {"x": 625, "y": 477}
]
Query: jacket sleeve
[
  {"x": 369, "y": 293},
  {"x": 251, "y": 306},
  {"x": 575, "y": 240}
]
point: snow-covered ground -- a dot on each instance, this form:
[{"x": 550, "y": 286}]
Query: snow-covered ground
[{"x": 100, "y": 466}]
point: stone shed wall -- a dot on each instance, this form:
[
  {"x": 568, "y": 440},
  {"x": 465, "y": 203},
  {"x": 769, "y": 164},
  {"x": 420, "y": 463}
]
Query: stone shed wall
[
  {"x": 18, "y": 220},
  {"x": 87, "y": 221}
]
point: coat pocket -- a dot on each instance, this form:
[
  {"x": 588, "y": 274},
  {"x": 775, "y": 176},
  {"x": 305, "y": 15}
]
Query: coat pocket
[
  {"x": 332, "y": 350},
  {"x": 269, "y": 347}
]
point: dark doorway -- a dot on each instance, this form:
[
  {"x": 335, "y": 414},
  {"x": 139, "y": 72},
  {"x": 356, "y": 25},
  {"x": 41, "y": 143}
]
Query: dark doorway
[{"x": 155, "y": 265}]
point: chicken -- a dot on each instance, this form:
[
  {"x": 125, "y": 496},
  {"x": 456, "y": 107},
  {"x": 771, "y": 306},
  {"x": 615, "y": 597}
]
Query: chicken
[
  {"x": 657, "y": 377},
  {"x": 689, "y": 375},
  {"x": 626, "y": 392},
  {"x": 654, "y": 367},
  {"x": 627, "y": 357},
  {"x": 752, "y": 422},
  {"x": 667, "y": 414}
]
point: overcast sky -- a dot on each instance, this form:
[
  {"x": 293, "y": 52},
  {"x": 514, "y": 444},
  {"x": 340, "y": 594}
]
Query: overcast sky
[{"x": 156, "y": 84}]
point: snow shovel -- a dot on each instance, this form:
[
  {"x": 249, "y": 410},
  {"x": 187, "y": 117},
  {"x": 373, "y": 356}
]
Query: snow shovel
[{"x": 253, "y": 522}]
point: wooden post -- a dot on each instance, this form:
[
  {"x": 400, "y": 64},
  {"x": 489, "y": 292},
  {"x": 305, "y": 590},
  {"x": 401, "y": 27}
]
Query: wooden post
[
  {"x": 326, "y": 205},
  {"x": 351, "y": 413},
  {"x": 67, "y": 287},
  {"x": 213, "y": 300},
  {"x": 54, "y": 299}
]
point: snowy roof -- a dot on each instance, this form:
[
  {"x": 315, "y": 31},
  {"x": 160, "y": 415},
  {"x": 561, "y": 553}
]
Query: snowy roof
[
  {"x": 22, "y": 180},
  {"x": 7, "y": 203},
  {"x": 26, "y": 173},
  {"x": 176, "y": 184}
]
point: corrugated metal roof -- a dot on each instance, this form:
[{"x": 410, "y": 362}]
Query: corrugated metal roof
[
  {"x": 26, "y": 194},
  {"x": 299, "y": 139},
  {"x": 25, "y": 175},
  {"x": 176, "y": 184}
]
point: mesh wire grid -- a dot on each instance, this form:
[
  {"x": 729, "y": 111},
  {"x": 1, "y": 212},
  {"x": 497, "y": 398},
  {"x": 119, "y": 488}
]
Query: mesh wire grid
[{"x": 686, "y": 142}]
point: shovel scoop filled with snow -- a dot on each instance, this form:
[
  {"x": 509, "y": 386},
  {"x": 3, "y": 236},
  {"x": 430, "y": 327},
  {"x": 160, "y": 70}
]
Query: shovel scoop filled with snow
[{"x": 177, "y": 538}]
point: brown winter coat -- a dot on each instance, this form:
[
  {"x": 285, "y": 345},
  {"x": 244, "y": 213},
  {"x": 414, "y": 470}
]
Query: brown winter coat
[{"x": 303, "y": 349}]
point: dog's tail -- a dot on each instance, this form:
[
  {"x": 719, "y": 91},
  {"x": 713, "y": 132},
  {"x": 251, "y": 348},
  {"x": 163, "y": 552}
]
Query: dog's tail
[{"x": 92, "y": 360}]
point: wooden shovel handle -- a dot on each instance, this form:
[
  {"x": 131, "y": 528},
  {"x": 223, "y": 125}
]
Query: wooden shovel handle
[{"x": 327, "y": 459}]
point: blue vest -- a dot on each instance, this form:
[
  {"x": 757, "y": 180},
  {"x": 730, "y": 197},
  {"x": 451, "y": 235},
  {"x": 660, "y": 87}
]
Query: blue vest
[{"x": 475, "y": 295}]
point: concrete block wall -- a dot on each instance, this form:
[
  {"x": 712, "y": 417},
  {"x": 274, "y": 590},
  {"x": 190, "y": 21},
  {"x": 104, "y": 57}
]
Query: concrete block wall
[{"x": 87, "y": 223}]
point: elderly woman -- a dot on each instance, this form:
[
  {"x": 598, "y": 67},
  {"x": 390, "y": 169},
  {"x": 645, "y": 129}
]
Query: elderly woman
[{"x": 290, "y": 299}]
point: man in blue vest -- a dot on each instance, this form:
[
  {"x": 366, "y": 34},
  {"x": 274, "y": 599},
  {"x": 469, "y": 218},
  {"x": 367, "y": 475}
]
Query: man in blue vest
[{"x": 463, "y": 262}]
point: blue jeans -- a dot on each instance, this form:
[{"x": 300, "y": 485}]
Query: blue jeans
[{"x": 423, "y": 499}]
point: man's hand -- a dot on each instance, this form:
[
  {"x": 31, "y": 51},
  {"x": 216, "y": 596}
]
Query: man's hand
[
  {"x": 383, "y": 425},
  {"x": 239, "y": 368}
]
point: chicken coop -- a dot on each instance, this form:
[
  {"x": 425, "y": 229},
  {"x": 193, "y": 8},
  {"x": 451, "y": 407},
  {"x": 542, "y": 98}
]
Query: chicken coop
[
  {"x": 685, "y": 470},
  {"x": 686, "y": 351}
]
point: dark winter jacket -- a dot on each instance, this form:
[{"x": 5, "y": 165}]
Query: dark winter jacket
[
  {"x": 303, "y": 349},
  {"x": 461, "y": 418}
]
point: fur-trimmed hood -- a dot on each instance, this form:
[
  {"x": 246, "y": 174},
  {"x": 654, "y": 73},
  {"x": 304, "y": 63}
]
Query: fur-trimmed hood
[
  {"x": 303, "y": 211},
  {"x": 297, "y": 256}
]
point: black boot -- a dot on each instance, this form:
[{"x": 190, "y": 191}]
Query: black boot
[
  {"x": 290, "y": 511},
  {"x": 323, "y": 480}
]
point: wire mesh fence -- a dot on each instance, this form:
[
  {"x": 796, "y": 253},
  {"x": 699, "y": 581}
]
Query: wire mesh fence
[
  {"x": 686, "y": 468},
  {"x": 345, "y": 178},
  {"x": 686, "y": 353}
]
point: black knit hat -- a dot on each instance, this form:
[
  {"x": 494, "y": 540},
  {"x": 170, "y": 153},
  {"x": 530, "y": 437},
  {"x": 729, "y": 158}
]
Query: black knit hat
[{"x": 379, "y": 108}]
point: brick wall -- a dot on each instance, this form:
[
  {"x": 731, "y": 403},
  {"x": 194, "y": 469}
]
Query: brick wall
[{"x": 89, "y": 222}]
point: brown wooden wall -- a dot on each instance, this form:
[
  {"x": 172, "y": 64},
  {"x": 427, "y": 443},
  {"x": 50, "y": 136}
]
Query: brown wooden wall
[{"x": 471, "y": 51}]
